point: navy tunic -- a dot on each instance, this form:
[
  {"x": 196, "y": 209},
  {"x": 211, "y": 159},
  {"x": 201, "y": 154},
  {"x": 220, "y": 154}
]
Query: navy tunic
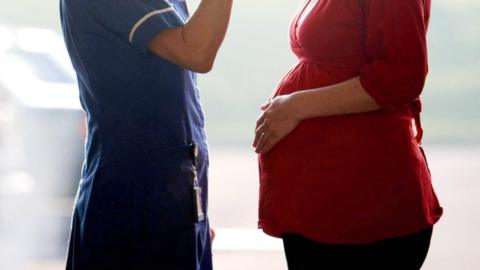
[{"x": 135, "y": 206}]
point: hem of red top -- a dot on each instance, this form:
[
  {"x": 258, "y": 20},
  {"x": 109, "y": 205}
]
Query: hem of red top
[{"x": 268, "y": 229}]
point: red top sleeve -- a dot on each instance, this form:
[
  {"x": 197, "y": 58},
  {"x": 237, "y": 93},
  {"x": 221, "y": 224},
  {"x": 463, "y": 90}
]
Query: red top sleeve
[{"x": 396, "y": 47}]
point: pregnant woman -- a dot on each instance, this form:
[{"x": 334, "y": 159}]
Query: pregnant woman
[{"x": 344, "y": 180}]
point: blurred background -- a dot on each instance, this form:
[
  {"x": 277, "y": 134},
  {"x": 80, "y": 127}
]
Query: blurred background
[{"x": 42, "y": 132}]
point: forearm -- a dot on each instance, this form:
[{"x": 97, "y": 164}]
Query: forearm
[
  {"x": 195, "y": 45},
  {"x": 348, "y": 97},
  {"x": 207, "y": 27}
]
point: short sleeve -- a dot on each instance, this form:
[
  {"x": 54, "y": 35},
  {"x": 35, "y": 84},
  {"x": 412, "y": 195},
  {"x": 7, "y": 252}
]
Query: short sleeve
[
  {"x": 397, "y": 50},
  {"x": 136, "y": 21}
]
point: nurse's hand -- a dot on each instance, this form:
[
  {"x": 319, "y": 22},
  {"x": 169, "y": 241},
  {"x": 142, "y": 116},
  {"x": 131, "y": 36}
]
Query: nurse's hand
[
  {"x": 212, "y": 234},
  {"x": 278, "y": 119}
]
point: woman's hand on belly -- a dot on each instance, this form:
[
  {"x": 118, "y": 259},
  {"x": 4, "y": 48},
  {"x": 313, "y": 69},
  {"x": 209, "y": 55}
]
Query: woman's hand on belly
[
  {"x": 278, "y": 119},
  {"x": 281, "y": 115}
]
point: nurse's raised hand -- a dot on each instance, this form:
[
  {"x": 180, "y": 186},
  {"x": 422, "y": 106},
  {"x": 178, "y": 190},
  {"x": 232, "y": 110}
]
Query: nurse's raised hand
[{"x": 279, "y": 118}]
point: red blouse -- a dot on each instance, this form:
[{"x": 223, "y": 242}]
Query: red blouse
[{"x": 354, "y": 178}]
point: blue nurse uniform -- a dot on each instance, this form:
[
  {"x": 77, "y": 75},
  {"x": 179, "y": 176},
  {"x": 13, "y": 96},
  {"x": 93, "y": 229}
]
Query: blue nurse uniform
[{"x": 135, "y": 206}]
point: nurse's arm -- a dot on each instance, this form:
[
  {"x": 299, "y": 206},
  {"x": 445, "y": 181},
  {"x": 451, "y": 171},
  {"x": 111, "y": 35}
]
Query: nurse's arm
[{"x": 195, "y": 45}]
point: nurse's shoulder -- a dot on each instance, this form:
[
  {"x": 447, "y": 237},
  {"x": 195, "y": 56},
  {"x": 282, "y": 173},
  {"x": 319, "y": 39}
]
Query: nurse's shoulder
[{"x": 158, "y": 27}]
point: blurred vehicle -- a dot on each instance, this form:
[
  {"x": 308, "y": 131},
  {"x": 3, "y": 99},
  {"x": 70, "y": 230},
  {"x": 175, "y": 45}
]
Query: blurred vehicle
[{"x": 42, "y": 126}]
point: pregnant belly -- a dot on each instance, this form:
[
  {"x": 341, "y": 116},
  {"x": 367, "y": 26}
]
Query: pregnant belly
[
  {"x": 346, "y": 174},
  {"x": 325, "y": 149}
]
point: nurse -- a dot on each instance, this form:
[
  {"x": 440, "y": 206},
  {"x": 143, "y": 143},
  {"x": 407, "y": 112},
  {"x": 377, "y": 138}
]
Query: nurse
[{"x": 142, "y": 198}]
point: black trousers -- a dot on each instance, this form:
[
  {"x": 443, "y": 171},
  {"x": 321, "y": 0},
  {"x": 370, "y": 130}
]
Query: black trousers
[{"x": 404, "y": 253}]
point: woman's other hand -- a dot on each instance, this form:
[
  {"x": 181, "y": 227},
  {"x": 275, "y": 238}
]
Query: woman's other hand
[{"x": 278, "y": 119}]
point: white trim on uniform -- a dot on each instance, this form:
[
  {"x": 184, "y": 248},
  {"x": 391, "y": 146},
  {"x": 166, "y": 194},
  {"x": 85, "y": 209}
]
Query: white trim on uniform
[{"x": 145, "y": 18}]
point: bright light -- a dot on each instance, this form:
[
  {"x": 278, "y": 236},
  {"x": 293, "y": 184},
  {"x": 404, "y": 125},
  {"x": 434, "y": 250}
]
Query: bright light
[
  {"x": 30, "y": 91},
  {"x": 230, "y": 239},
  {"x": 38, "y": 40},
  {"x": 17, "y": 183},
  {"x": 6, "y": 38}
]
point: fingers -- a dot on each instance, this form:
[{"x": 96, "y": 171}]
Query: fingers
[
  {"x": 265, "y": 106},
  {"x": 264, "y": 138},
  {"x": 271, "y": 142},
  {"x": 259, "y": 132},
  {"x": 260, "y": 120},
  {"x": 267, "y": 144},
  {"x": 261, "y": 129}
]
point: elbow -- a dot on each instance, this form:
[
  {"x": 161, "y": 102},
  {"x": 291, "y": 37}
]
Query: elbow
[
  {"x": 413, "y": 88},
  {"x": 203, "y": 66},
  {"x": 200, "y": 57},
  {"x": 204, "y": 69},
  {"x": 391, "y": 95},
  {"x": 414, "y": 82},
  {"x": 406, "y": 94},
  {"x": 201, "y": 62},
  {"x": 416, "y": 90}
]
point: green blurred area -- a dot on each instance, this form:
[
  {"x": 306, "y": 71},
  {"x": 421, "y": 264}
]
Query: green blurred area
[{"x": 256, "y": 54}]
